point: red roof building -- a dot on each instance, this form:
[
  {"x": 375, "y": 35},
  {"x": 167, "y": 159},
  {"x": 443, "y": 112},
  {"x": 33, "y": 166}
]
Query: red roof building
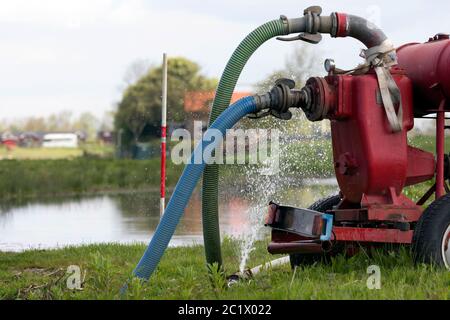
[
  {"x": 197, "y": 105},
  {"x": 201, "y": 101}
]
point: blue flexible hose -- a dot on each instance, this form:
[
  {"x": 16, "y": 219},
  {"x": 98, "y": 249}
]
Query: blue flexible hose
[{"x": 184, "y": 188}]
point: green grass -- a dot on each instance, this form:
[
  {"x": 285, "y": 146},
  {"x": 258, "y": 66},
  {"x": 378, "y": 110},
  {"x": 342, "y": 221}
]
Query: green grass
[
  {"x": 311, "y": 158},
  {"x": 40, "y": 153},
  {"x": 314, "y": 158},
  {"x": 427, "y": 143},
  {"x": 86, "y": 149},
  {"x": 93, "y": 173},
  {"x": 182, "y": 274},
  {"x": 37, "y": 178},
  {"x": 26, "y": 178}
]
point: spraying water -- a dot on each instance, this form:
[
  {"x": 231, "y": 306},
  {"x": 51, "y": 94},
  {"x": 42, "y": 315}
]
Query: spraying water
[
  {"x": 269, "y": 180},
  {"x": 264, "y": 189}
]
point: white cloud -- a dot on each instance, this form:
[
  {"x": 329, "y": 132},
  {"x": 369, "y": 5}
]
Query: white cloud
[
  {"x": 132, "y": 12},
  {"x": 42, "y": 57},
  {"x": 77, "y": 50},
  {"x": 53, "y": 12}
]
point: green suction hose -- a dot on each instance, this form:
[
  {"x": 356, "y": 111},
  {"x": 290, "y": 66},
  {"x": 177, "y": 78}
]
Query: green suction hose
[
  {"x": 309, "y": 26},
  {"x": 227, "y": 83}
]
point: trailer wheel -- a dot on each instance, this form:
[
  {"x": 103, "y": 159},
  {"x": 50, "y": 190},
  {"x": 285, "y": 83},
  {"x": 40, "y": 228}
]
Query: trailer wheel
[
  {"x": 431, "y": 240},
  {"x": 321, "y": 205}
]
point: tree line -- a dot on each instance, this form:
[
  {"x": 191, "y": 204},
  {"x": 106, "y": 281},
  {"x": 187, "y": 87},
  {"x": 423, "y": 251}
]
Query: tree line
[
  {"x": 139, "y": 111},
  {"x": 63, "y": 121},
  {"x": 137, "y": 115}
]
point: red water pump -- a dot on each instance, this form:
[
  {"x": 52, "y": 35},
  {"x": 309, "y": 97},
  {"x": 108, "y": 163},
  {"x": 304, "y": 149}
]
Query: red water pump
[{"x": 371, "y": 109}]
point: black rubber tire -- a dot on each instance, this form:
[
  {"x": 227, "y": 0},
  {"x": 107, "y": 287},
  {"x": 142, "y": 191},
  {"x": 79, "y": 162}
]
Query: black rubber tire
[
  {"x": 429, "y": 232},
  {"x": 322, "y": 205}
]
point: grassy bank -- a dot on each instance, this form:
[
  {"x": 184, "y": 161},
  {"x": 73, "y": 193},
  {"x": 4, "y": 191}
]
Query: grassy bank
[
  {"x": 25, "y": 178},
  {"x": 182, "y": 275},
  {"x": 33, "y": 178},
  {"x": 39, "y": 153},
  {"x": 75, "y": 175},
  {"x": 86, "y": 149}
]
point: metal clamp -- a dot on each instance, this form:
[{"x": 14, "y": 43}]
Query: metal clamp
[
  {"x": 278, "y": 101},
  {"x": 312, "y": 16}
]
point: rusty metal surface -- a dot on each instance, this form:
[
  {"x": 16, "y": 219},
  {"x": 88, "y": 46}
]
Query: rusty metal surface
[{"x": 372, "y": 235}]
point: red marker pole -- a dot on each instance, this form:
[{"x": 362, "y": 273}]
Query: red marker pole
[{"x": 163, "y": 137}]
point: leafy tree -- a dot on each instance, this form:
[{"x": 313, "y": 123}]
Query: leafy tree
[
  {"x": 87, "y": 123},
  {"x": 139, "y": 111},
  {"x": 135, "y": 71},
  {"x": 35, "y": 124},
  {"x": 107, "y": 121},
  {"x": 61, "y": 121},
  {"x": 304, "y": 62},
  {"x": 56, "y": 122}
]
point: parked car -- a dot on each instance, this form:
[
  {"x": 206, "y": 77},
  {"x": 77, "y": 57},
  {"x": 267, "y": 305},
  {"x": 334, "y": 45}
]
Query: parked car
[
  {"x": 30, "y": 140},
  {"x": 9, "y": 140}
]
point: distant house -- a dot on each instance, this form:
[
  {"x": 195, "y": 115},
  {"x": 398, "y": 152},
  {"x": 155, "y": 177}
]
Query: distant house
[
  {"x": 30, "y": 140},
  {"x": 60, "y": 140},
  {"x": 106, "y": 136},
  {"x": 9, "y": 140},
  {"x": 197, "y": 105}
]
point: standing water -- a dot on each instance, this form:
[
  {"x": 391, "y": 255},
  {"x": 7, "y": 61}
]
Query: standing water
[
  {"x": 115, "y": 218},
  {"x": 111, "y": 218}
]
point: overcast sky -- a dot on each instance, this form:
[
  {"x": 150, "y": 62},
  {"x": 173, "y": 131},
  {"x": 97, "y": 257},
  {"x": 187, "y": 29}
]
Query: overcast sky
[{"x": 72, "y": 54}]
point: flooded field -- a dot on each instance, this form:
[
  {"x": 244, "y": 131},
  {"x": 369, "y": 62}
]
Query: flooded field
[{"x": 133, "y": 217}]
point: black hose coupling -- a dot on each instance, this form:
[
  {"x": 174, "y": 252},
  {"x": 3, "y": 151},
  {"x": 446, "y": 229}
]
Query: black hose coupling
[{"x": 279, "y": 100}]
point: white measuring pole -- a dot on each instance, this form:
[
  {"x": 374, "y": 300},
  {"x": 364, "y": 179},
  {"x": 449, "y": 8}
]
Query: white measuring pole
[{"x": 163, "y": 136}]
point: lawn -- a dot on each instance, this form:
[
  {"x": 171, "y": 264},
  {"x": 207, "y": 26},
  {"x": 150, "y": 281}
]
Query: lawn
[
  {"x": 44, "y": 172},
  {"x": 182, "y": 274},
  {"x": 86, "y": 149},
  {"x": 26, "y": 178},
  {"x": 39, "y": 153}
]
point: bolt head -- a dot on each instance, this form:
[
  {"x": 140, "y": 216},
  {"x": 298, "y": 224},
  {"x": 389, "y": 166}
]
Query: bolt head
[{"x": 329, "y": 65}]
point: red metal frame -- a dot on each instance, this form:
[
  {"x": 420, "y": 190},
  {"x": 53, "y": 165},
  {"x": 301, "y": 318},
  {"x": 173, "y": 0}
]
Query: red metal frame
[
  {"x": 373, "y": 164},
  {"x": 372, "y": 235},
  {"x": 440, "y": 146}
]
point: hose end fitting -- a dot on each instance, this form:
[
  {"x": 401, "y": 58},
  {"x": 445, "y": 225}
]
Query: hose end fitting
[
  {"x": 279, "y": 100},
  {"x": 318, "y": 99},
  {"x": 286, "y": 24}
]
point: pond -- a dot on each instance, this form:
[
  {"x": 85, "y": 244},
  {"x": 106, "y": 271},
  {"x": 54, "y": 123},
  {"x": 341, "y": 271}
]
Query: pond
[{"x": 129, "y": 217}]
